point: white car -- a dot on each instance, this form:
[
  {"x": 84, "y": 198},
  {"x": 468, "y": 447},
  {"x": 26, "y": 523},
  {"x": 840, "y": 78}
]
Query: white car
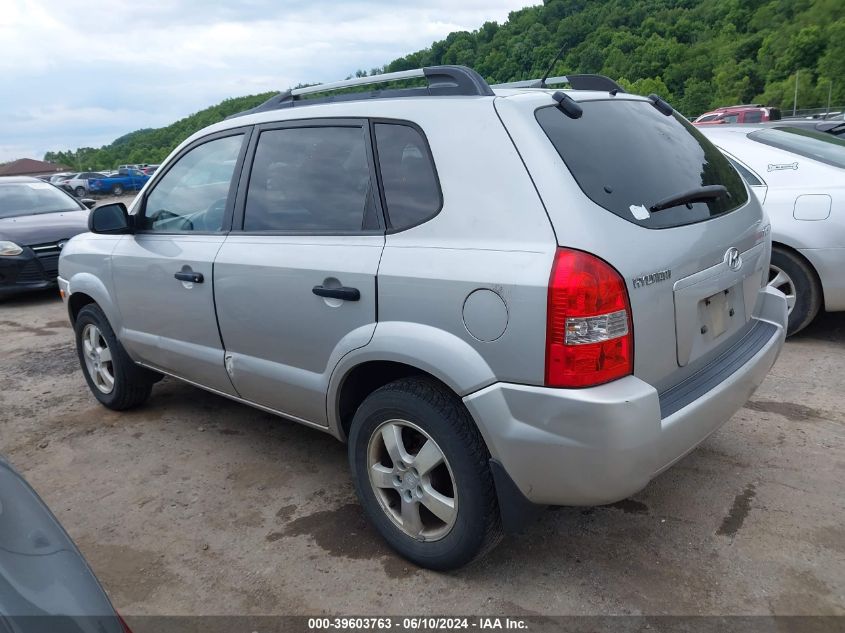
[
  {"x": 77, "y": 184},
  {"x": 799, "y": 177}
]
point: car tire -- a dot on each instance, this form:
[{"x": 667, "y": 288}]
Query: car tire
[
  {"x": 117, "y": 190},
  {"x": 80, "y": 192},
  {"x": 114, "y": 379},
  {"x": 793, "y": 276},
  {"x": 433, "y": 427}
]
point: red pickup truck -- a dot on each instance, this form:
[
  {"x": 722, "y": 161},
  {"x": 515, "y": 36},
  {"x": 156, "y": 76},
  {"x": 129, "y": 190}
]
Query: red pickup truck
[{"x": 739, "y": 114}]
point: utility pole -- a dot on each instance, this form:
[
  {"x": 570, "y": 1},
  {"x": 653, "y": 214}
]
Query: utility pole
[
  {"x": 829, "y": 90},
  {"x": 795, "y": 98}
]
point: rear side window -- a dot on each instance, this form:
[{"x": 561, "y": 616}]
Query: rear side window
[
  {"x": 753, "y": 116},
  {"x": 310, "y": 179},
  {"x": 411, "y": 190},
  {"x": 746, "y": 173},
  {"x": 626, "y": 156}
]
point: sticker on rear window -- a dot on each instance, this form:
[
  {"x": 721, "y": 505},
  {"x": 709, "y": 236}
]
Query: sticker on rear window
[{"x": 639, "y": 212}]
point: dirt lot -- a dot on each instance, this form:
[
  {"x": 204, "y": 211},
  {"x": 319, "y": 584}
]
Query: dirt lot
[{"x": 197, "y": 505}]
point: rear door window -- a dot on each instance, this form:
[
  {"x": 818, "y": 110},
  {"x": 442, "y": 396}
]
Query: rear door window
[{"x": 626, "y": 156}]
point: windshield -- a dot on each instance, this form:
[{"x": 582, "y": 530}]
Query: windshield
[
  {"x": 29, "y": 198},
  {"x": 626, "y": 156},
  {"x": 825, "y": 148}
]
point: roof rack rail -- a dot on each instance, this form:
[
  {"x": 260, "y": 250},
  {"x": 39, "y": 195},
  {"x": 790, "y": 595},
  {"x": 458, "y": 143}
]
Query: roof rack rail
[
  {"x": 443, "y": 81},
  {"x": 577, "y": 82}
]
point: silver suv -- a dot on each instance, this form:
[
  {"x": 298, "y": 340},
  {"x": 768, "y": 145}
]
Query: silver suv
[{"x": 502, "y": 297}]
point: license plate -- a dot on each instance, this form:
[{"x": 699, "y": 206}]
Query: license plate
[{"x": 718, "y": 310}]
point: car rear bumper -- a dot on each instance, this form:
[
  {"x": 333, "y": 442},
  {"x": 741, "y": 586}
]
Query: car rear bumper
[{"x": 602, "y": 444}]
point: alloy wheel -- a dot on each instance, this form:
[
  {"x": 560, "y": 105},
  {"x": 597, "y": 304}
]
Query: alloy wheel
[
  {"x": 779, "y": 280},
  {"x": 98, "y": 358},
  {"x": 412, "y": 480}
]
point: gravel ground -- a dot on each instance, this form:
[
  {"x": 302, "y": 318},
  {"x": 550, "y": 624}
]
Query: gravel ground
[{"x": 196, "y": 505}]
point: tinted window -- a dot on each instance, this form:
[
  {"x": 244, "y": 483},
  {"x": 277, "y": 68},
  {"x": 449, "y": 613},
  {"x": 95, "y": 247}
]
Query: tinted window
[
  {"x": 407, "y": 172},
  {"x": 192, "y": 194},
  {"x": 753, "y": 116},
  {"x": 309, "y": 179},
  {"x": 27, "y": 198},
  {"x": 746, "y": 173},
  {"x": 626, "y": 155},
  {"x": 825, "y": 148}
]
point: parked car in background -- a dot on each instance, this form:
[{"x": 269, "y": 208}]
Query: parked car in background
[
  {"x": 799, "y": 176},
  {"x": 829, "y": 126},
  {"x": 57, "y": 178},
  {"x": 46, "y": 583},
  {"x": 150, "y": 169},
  {"x": 77, "y": 184},
  {"x": 36, "y": 221},
  {"x": 739, "y": 114},
  {"x": 503, "y": 298},
  {"x": 125, "y": 180}
]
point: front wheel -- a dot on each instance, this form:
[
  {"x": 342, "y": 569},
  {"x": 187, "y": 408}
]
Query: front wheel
[
  {"x": 80, "y": 192},
  {"x": 422, "y": 475},
  {"x": 117, "y": 190},
  {"x": 793, "y": 277},
  {"x": 114, "y": 379}
]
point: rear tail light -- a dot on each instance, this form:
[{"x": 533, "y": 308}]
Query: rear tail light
[{"x": 589, "y": 340}]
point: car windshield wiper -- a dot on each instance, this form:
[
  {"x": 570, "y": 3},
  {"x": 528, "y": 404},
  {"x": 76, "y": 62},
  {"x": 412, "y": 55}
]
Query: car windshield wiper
[{"x": 701, "y": 194}]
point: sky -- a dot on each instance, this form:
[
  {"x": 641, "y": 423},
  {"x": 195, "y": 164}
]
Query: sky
[{"x": 77, "y": 73}]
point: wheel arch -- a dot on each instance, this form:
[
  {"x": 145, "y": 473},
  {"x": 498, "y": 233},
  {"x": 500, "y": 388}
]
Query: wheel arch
[
  {"x": 398, "y": 350},
  {"x": 799, "y": 255},
  {"x": 84, "y": 289}
]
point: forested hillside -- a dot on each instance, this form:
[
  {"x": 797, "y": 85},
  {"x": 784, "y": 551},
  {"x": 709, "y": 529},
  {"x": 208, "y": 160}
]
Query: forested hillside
[{"x": 696, "y": 54}]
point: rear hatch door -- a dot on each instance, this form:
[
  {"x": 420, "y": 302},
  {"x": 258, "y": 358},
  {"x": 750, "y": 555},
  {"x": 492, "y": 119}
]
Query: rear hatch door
[{"x": 693, "y": 267}]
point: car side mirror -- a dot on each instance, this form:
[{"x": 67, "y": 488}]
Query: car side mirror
[
  {"x": 110, "y": 219},
  {"x": 89, "y": 202}
]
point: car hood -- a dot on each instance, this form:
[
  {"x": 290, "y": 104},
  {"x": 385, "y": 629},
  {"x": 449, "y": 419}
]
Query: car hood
[{"x": 43, "y": 227}]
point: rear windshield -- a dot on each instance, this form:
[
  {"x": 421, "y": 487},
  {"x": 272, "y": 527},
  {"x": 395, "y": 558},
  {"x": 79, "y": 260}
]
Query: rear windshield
[
  {"x": 28, "y": 198},
  {"x": 820, "y": 146},
  {"x": 626, "y": 156}
]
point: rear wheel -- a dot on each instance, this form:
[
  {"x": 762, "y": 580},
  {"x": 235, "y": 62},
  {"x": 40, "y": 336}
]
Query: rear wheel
[
  {"x": 422, "y": 474},
  {"x": 791, "y": 275},
  {"x": 117, "y": 190},
  {"x": 114, "y": 379},
  {"x": 80, "y": 191}
]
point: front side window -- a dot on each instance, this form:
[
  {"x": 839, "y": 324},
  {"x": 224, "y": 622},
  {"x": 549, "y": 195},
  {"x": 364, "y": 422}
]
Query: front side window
[
  {"x": 626, "y": 156},
  {"x": 310, "y": 179},
  {"x": 408, "y": 177},
  {"x": 192, "y": 194}
]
